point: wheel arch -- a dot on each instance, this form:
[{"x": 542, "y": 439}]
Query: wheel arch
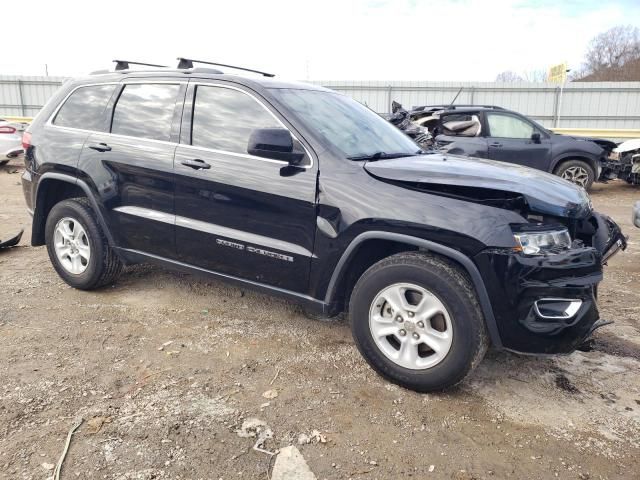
[
  {"x": 395, "y": 243},
  {"x": 53, "y": 188},
  {"x": 591, "y": 161}
]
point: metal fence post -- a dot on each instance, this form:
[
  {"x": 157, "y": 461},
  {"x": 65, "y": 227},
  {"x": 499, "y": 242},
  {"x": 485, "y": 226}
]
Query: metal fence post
[
  {"x": 23, "y": 107},
  {"x": 556, "y": 105}
]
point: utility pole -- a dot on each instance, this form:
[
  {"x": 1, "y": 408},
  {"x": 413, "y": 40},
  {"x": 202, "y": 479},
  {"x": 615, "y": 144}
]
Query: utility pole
[{"x": 46, "y": 70}]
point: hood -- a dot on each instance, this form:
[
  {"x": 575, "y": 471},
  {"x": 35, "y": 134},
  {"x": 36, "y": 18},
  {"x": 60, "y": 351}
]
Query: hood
[
  {"x": 545, "y": 193},
  {"x": 606, "y": 145},
  {"x": 628, "y": 146}
]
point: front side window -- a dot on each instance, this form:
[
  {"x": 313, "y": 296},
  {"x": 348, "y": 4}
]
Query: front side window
[
  {"x": 507, "y": 126},
  {"x": 84, "y": 108},
  {"x": 223, "y": 119},
  {"x": 145, "y": 111}
]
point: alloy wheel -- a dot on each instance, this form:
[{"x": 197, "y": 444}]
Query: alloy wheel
[
  {"x": 577, "y": 175},
  {"x": 411, "y": 326},
  {"x": 71, "y": 245}
]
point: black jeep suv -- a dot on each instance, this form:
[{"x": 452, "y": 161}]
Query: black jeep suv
[
  {"x": 302, "y": 192},
  {"x": 500, "y": 134}
]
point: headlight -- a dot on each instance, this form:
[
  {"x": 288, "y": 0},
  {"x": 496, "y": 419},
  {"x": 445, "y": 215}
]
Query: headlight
[{"x": 543, "y": 242}]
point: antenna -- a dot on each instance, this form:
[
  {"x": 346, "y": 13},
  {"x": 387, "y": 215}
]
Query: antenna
[
  {"x": 455, "y": 98},
  {"x": 124, "y": 64},
  {"x": 188, "y": 63}
]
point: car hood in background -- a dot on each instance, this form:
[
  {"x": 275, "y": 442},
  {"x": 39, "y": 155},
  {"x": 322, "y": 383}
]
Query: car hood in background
[
  {"x": 545, "y": 193},
  {"x": 628, "y": 146},
  {"x": 606, "y": 145}
]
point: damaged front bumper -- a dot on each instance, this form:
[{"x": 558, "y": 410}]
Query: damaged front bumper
[
  {"x": 11, "y": 242},
  {"x": 547, "y": 304}
]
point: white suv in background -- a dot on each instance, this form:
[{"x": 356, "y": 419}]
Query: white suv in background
[{"x": 10, "y": 140}]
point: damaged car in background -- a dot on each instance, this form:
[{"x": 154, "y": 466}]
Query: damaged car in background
[
  {"x": 624, "y": 162},
  {"x": 495, "y": 133},
  {"x": 401, "y": 118}
]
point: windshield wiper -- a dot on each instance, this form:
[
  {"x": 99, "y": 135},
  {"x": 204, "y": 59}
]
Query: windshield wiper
[{"x": 372, "y": 157}]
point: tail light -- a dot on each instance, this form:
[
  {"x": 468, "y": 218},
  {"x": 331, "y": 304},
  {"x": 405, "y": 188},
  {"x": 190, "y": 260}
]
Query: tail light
[
  {"x": 26, "y": 140},
  {"x": 7, "y": 129}
]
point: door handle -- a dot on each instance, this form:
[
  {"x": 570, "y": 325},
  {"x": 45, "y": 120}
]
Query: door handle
[
  {"x": 100, "y": 147},
  {"x": 495, "y": 144},
  {"x": 196, "y": 164}
]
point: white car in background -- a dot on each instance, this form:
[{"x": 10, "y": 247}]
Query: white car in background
[{"x": 10, "y": 139}]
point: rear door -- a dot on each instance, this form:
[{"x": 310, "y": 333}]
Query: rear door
[
  {"x": 61, "y": 139},
  {"x": 510, "y": 140},
  {"x": 131, "y": 165},
  {"x": 238, "y": 214}
]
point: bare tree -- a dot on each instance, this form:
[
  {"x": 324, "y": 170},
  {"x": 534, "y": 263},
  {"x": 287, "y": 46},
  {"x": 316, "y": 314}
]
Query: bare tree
[
  {"x": 535, "y": 76},
  {"x": 508, "y": 76},
  {"x": 612, "y": 55}
]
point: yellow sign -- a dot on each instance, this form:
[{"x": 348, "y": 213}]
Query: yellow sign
[{"x": 558, "y": 73}]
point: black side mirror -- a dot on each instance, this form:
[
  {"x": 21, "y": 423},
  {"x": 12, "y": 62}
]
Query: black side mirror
[
  {"x": 535, "y": 137},
  {"x": 275, "y": 143}
]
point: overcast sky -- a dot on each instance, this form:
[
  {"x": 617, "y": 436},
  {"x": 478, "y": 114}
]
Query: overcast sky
[{"x": 318, "y": 40}]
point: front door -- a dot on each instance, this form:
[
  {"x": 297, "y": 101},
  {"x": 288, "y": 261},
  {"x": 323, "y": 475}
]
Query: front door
[
  {"x": 513, "y": 139},
  {"x": 238, "y": 214}
]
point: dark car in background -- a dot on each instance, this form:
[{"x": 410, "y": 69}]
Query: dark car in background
[{"x": 499, "y": 134}]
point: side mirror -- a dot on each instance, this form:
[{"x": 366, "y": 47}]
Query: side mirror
[
  {"x": 274, "y": 143},
  {"x": 535, "y": 137}
]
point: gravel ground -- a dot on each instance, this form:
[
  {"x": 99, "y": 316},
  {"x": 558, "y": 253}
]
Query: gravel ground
[{"x": 165, "y": 368}]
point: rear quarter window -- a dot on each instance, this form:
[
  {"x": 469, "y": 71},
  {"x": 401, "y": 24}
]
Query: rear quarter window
[{"x": 84, "y": 108}]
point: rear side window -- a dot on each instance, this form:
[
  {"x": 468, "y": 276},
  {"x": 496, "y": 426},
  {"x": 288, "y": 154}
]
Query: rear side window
[
  {"x": 84, "y": 108},
  {"x": 461, "y": 125},
  {"x": 224, "y": 118},
  {"x": 145, "y": 111}
]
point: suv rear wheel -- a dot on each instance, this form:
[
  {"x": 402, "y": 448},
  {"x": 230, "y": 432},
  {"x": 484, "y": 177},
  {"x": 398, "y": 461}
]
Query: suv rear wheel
[
  {"x": 77, "y": 246},
  {"x": 578, "y": 172},
  {"x": 416, "y": 320}
]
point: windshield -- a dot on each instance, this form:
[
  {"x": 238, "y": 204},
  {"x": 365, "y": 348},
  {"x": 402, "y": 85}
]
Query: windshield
[{"x": 347, "y": 125}]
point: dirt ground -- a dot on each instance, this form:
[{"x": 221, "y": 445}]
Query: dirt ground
[{"x": 159, "y": 410}]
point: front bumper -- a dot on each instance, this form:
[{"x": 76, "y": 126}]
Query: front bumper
[{"x": 547, "y": 304}]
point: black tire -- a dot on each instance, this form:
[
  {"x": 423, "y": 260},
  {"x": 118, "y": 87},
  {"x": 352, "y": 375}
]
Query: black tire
[
  {"x": 452, "y": 288},
  {"x": 103, "y": 266},
  {"x": 566, "y": 170}
]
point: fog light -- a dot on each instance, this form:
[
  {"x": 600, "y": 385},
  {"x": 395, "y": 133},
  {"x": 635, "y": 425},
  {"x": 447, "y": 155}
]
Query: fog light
[{"x": 557, "y": 308}]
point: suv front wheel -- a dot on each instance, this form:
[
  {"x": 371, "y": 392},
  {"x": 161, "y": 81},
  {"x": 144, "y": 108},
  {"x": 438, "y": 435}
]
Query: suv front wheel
[
  {"x": 416, "y": 320},
  {"x": 578, "y": 172},
  {"x": 77, "y": 246}
]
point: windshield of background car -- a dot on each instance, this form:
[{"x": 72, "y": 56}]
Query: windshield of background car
[{"x": 347, "y": 125}]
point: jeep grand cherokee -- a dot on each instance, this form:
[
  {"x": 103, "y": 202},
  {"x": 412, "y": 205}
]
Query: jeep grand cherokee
[{"x": 302, "y": 192}]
